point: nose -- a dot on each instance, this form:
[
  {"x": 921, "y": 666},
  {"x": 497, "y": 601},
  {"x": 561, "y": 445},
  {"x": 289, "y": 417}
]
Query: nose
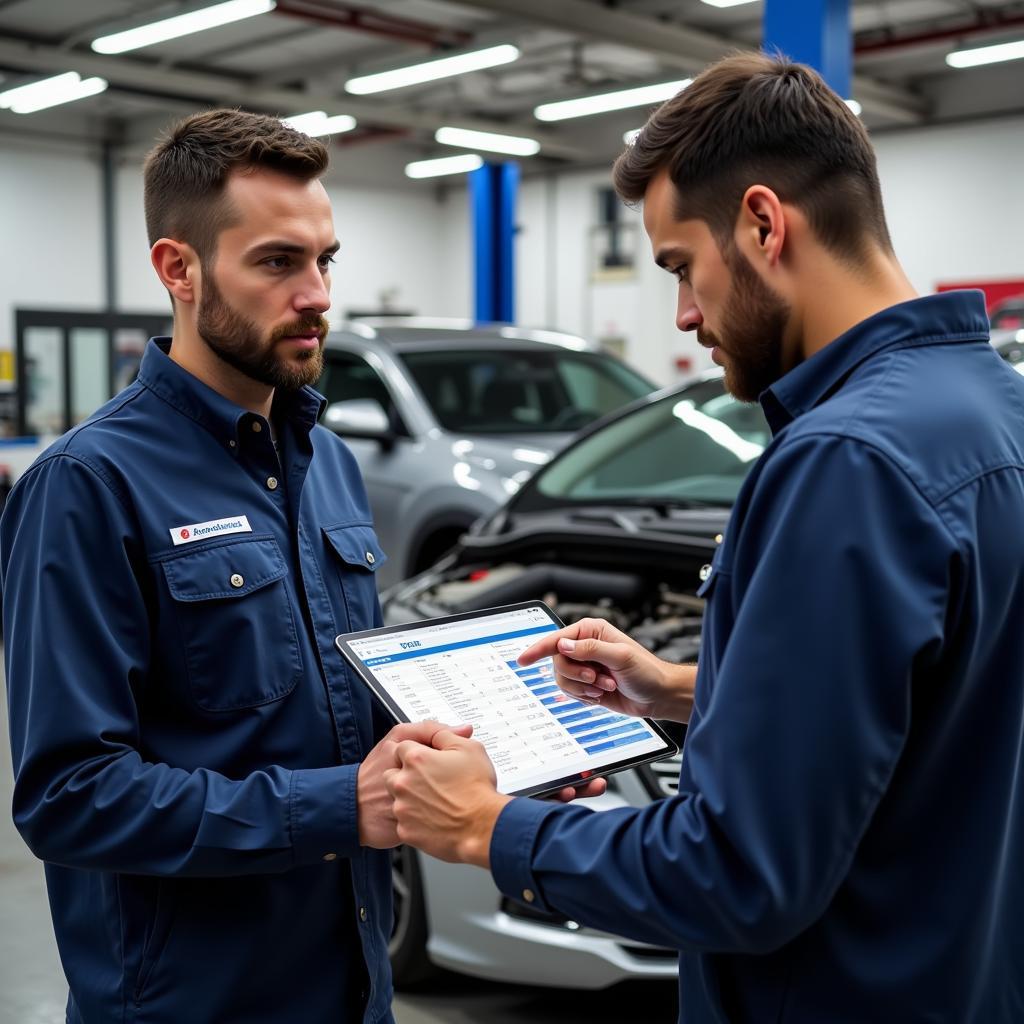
[
  {"x": 688, "y": 316},
  {"x": 313, "y": 295}
]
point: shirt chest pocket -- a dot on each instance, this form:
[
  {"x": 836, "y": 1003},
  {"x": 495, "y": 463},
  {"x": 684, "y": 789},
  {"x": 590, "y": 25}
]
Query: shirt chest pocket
[
  {"x": 357, "y": 555},
  {"x": 237, "y": 628}
]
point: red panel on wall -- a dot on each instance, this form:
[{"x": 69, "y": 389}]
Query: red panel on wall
[{"x": 995, "y": 291}]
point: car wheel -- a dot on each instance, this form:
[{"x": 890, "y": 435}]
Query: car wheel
[{"x": 408, "y": 946}]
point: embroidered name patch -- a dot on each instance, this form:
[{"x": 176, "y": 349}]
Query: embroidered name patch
[{"x": 212, "y": 528}]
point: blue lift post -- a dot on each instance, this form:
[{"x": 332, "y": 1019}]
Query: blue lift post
[
  {"x": 492, "y": 195},
  {"x": 815, "y": 32}
]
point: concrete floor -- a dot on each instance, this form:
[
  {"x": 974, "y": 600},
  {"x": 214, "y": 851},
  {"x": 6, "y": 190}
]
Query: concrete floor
[{"x": 33, "y": 990}]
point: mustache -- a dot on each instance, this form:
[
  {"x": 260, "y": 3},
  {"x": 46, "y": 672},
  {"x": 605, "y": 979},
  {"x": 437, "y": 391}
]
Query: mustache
[
  {"x": 306, "y": 325},
  {"x": 708, "y": 338}
]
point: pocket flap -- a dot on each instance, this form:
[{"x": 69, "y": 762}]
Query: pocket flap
[
  {"x": 356, "y": 546},
  {"x": 229, "y": 570}
]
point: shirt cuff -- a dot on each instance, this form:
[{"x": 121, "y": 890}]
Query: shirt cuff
[
  {"x": 512, "y": 844},
  {"x": 323, "y": 816}
]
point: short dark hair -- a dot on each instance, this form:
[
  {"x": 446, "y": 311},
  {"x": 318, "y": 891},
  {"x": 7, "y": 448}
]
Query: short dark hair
[
  {"x": 185, "y": 173},
  {"x": 753, "y": 119}
]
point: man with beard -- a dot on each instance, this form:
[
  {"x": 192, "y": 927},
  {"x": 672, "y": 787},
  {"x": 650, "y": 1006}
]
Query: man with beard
[
  {"x": 193, "y": 762},
  {"x": 847, "y": 838}
]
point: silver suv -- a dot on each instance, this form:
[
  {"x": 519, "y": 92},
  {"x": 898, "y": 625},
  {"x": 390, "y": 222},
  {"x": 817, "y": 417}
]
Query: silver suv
[{"x": 447, "y": 420}]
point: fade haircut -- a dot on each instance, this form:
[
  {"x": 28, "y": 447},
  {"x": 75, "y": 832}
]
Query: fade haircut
[
  {"x": 755, "y": 119},
  {"x": 186, "y": 172}
]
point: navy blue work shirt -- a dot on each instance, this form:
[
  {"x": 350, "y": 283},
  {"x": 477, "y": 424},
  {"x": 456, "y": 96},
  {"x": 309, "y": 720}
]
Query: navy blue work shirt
[
  {"x": 186, "y": 737},
  {"x": 847, "y": 844}
]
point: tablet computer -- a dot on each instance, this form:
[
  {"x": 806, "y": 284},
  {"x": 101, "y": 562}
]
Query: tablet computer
[{"x": 462, "y": 668}]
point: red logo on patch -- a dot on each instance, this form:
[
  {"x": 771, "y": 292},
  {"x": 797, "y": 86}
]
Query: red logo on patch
[{"x": 184, "y": 534}]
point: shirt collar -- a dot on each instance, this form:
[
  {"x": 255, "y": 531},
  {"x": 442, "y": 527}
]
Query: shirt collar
[
  {"x": 930, "y": 320},
  {"x": 210, "y": 409}
]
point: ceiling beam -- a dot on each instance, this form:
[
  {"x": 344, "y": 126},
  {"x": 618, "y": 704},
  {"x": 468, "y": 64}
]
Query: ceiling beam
[
  {"x": 687, "y": 48},
  {"x": 129, "y": 73}
]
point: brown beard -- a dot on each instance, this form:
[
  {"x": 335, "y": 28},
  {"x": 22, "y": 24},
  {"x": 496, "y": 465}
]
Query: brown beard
[
  {"x": 751, "y": 337},
  {"x": 240, "y": 342}
]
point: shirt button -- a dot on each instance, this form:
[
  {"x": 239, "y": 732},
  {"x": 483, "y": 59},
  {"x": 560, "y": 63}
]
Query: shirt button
[
  {"x": 237, "y": 581},
  {"x": 528, "y": 895},
  {"x": 231, "y": 444},
  {"x": 370, "y": 558},
  {"x": 272, "y": 482},
  {"x": 705, "y": 572},
  {"x": 256, "y": 426},
  {"x": 362, "y": 913},
  {"x": 330, "y": 856}
]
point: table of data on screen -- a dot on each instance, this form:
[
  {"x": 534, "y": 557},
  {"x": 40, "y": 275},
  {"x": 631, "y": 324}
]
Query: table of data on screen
[{"x": 466, "y": 671}]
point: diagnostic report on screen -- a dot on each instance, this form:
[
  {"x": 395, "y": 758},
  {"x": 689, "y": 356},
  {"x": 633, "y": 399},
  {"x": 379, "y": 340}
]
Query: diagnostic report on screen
[{"x": 466, "y": 671}]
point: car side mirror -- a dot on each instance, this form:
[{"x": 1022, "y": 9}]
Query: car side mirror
[{"x": 360, "y": 417}]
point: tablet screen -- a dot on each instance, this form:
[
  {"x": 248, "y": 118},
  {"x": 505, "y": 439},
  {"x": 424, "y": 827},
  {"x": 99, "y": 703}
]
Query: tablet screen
[{"x": 463, "y": 669}]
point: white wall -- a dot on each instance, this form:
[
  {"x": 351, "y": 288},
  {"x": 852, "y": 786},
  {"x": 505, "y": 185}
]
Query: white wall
[
  {"x": 391, "y": 241},
  {"x": 403, "y": 241},
  {"x": 952, "y": 195},
  {"x": 51, "y": 256},
  {"x": 954, "y": 200}
]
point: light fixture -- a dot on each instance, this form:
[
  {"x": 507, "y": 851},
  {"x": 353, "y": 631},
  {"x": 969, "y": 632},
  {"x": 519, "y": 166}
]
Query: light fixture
[
  {"x": 643, "y": 96},
  {"x": 489, "y": 141},
  {"x": 630, "y": 137},
  {"x": 181, "y": 25},
  {"x": 316, "y": 122},
  {"x": 444, "y": 165},
  {"x": 986, "y": 55},
  {"x": 51, "y": 92},
  {"x": 854, "y": 106},
  {"x": 727, "y": 3},
  {"x": 431, "y": 70}
]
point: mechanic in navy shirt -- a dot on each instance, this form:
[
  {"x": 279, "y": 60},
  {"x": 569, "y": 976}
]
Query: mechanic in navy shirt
[
  {"x": 194, "y": 763},
  {"x": 848, "y": 838}
]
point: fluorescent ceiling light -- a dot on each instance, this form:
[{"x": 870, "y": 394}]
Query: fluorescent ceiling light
[
  {"x": 316, "y": 122},
  {"x": 727, "y": 3},
  {"x": 446, "y": 67},
  {"x": 50, "y": 92},
  {"x": 986, "y": 55},
  {"x": 644, "y": 96},
  {"x": 854, "y": 106},
  {"x": 630, "y": 137},
  {"x": 181, "y": 25},
  {"x": 445, "y": 165},
  {"x": 489, "y": 141}
]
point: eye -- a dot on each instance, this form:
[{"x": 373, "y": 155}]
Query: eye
[
  {"x": 681, "y": 273},
  {"x": 277, "y": 262},
  {"x": 326, "y": 261}
]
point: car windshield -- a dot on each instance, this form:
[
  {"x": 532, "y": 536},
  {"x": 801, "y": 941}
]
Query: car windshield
[
  {"x": 693, "y": 447},
  {"x": 508, "y": 391}
]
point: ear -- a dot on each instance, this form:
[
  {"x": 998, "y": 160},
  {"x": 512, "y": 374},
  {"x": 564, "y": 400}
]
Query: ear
[
  {"x": 178, "y": 267},
  {"x": 761, "y": 227}
]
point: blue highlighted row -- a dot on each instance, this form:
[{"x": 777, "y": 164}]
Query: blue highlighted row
[
  {"x": 575, "y": 730},
  {"x": 611, "y": 744},
  {"x": 571, "y": 705},
  {"x": 589, "y": 713},
  {"x": 620, "y": 730}
]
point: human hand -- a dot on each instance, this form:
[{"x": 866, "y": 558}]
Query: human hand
[
  {"x": 599, "y": 664},
  {"x": 377, "y": 825},
  {"x": 445, "y": 799}
]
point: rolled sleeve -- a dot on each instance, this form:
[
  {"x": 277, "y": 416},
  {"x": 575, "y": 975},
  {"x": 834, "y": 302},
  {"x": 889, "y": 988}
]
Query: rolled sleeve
[
  {"x": 512, "y": 845},
  {"x": 324, "y": 816}
]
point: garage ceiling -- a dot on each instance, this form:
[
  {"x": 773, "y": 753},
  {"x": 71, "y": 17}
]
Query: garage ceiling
[{"x": 297, "y": 57}]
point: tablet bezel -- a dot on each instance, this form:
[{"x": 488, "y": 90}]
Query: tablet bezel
[{"x": 342, "y": 641}]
